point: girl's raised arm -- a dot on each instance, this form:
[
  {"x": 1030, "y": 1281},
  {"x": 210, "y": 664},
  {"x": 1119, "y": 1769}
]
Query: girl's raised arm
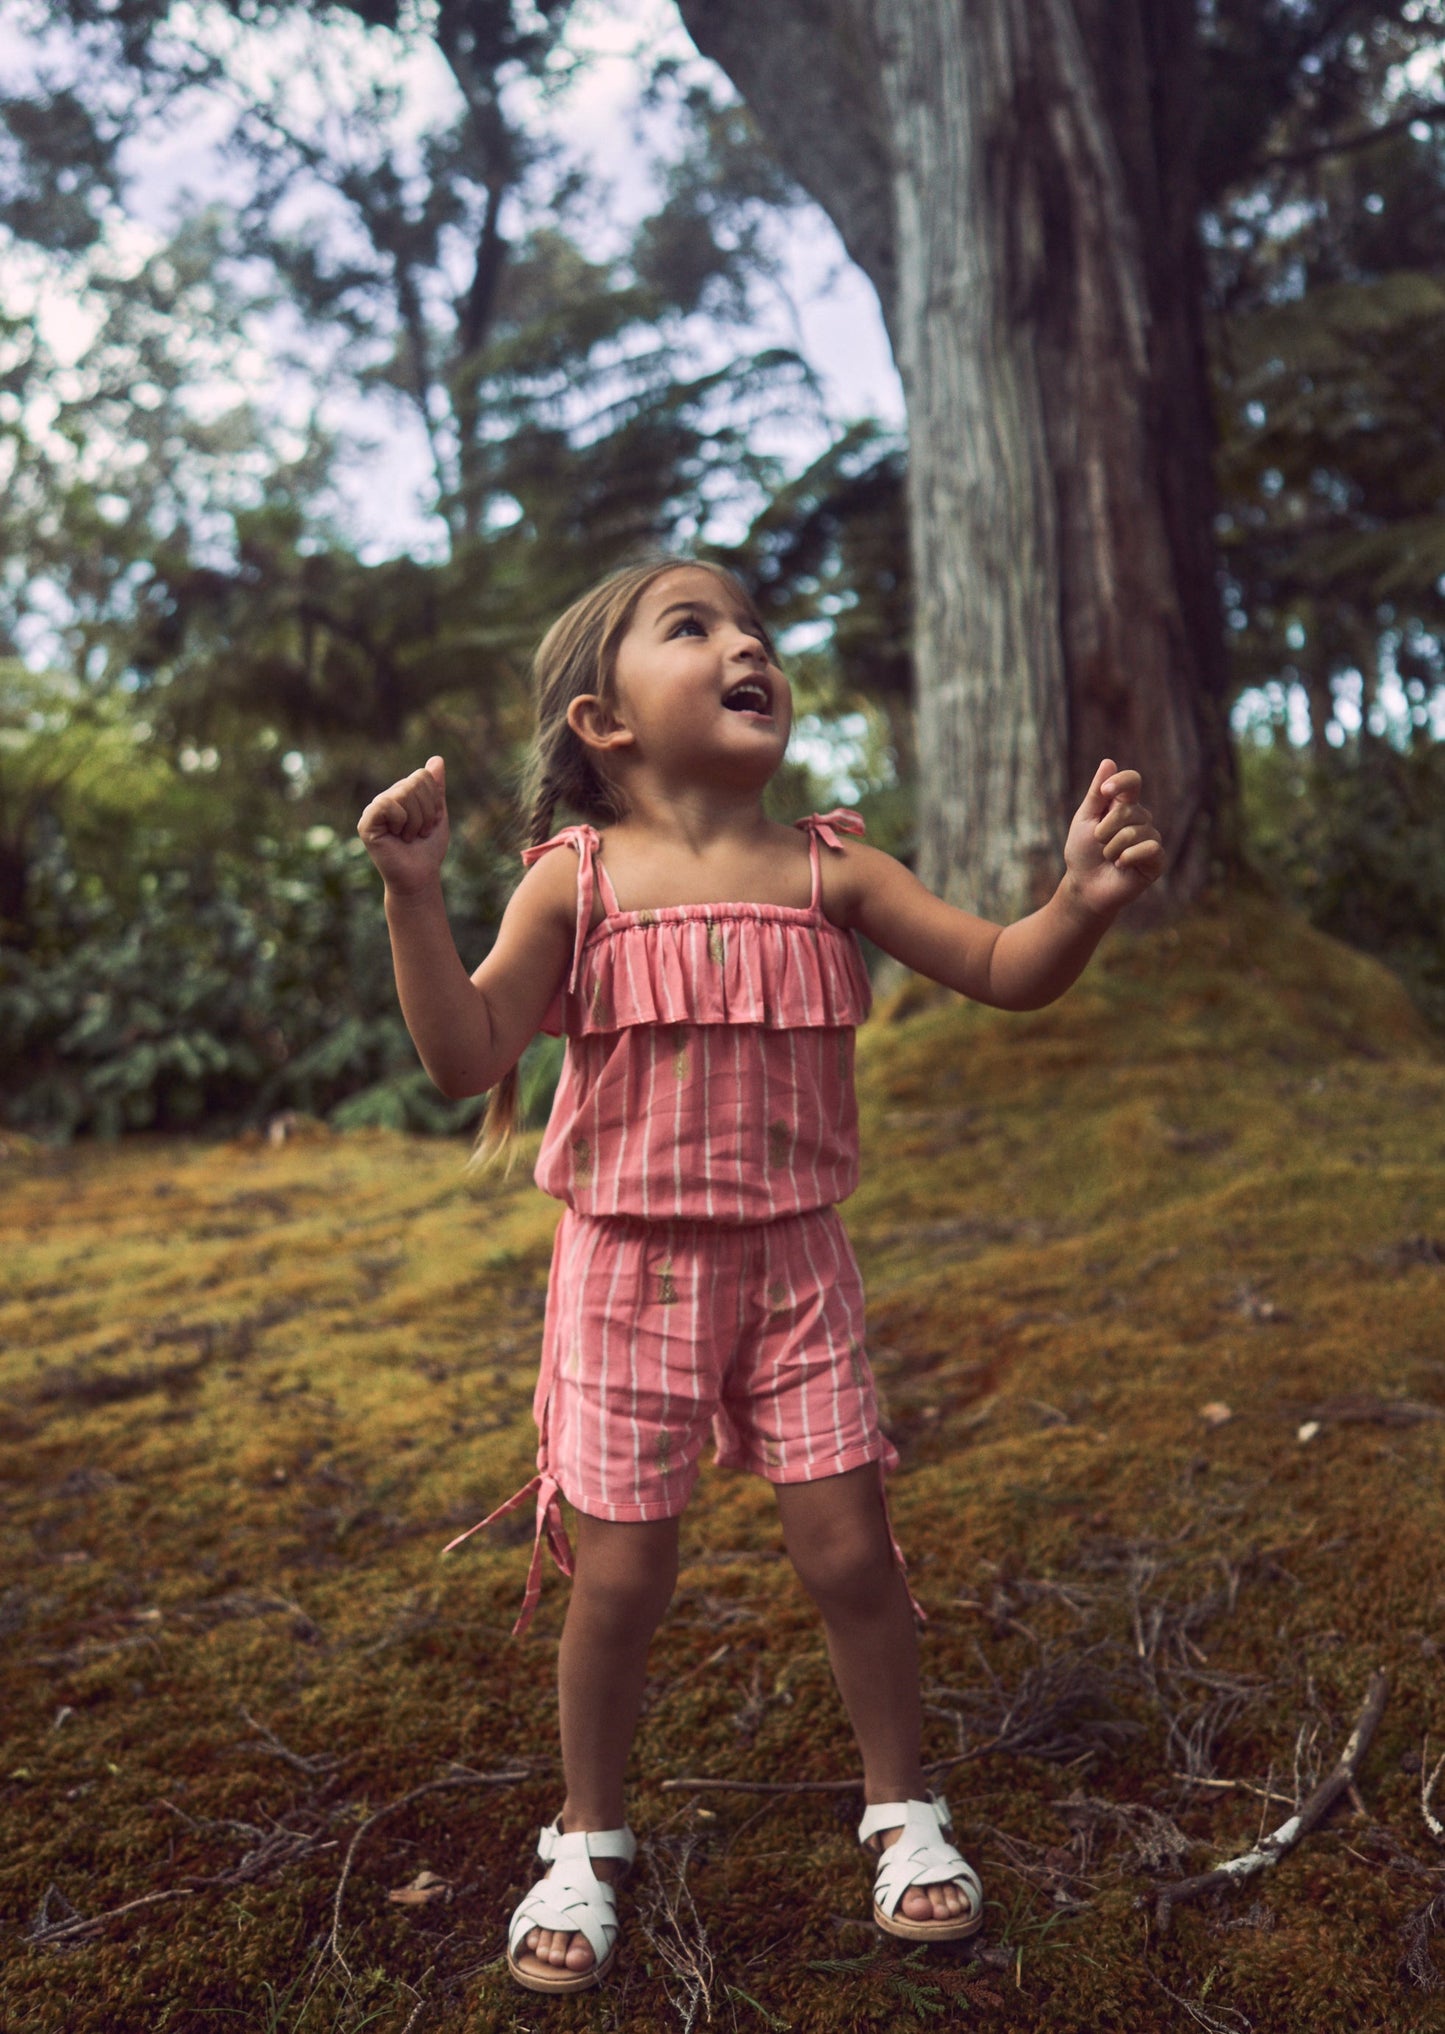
[
  {"x": 1113, "y": 852},
  {"x": 468, "y": 1030}
]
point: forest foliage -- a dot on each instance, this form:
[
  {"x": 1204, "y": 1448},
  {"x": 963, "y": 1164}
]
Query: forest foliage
[{"x": 207, "y": 673}]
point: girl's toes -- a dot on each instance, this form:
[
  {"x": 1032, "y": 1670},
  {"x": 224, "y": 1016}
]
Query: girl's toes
[{"x": 917, "y": 1904}]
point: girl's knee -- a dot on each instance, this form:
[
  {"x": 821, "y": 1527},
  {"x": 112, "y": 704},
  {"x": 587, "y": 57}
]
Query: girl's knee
[
  {"x": 847, "y": 1570},
  {"x": 627, "y": 1570}
]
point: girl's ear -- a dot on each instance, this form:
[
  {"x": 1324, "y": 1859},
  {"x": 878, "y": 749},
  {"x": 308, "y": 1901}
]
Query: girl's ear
[{"x": 594, "y": 724}]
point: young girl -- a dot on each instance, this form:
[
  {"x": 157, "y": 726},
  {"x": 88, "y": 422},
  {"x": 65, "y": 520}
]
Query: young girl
[{"x": 701, "y": 960}]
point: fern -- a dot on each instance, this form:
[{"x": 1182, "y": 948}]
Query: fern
[
  {"x": 845, "y": 1965},
  {"x": 921, "y": 1999}
]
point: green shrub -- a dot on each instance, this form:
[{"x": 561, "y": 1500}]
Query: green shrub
[
  {"x": 224, "y": 988},
  {"x": 1357, "y": 840}
]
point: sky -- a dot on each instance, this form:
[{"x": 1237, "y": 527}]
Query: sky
[{"x": 825, "y": 307}]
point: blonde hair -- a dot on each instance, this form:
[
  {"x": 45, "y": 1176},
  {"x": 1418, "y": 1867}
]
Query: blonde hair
[{"x": 578, "y": 655}]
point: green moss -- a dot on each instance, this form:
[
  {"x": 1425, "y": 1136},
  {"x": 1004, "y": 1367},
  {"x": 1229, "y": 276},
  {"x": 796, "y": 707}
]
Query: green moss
[{"x": 247, "y": 1393}]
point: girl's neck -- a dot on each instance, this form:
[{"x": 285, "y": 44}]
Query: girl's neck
[{"x": 694, "y": 817}]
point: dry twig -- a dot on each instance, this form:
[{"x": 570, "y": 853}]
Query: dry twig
[
  {"x": 1270, "y": 1849},
  {"x": 1427, "y": 1793},
  {"x": 282, "y": 1847},
  {"x": 333, "y": 1943}
]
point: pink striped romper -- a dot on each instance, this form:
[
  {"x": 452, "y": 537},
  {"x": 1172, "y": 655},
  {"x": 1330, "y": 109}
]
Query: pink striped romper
[{"x": 704, "y": 1126}]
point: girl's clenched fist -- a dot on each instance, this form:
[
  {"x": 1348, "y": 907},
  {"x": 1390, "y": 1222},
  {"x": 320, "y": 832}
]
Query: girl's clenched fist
[{"x": 405, "y": 828}]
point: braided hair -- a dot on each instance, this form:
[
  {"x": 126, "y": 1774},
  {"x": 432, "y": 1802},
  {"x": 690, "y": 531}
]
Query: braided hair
[{"x": 577, "y": 655}]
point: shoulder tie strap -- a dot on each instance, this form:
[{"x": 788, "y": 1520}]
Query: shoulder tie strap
[
  {"x": 826, "y": 826},
  {"x": 586, "y": 840}
]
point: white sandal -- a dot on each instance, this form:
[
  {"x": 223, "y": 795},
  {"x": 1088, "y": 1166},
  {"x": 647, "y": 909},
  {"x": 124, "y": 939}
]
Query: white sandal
[
  {"x": 572, "y": 1897},
  {"x": 922, "y": 1856}
]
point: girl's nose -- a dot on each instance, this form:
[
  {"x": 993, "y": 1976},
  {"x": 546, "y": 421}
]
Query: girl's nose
[{"x": 749, "y": 647}]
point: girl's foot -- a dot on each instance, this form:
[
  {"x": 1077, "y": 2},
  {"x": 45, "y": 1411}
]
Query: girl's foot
[
  {"x": 545, "y": 1951},
  {"x": 921, "y": 1903},
  {"x": 916, "y": 1885}
]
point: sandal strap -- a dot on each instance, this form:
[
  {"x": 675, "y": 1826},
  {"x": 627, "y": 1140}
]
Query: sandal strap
[
  {"x": 552, "y": 1843},
  {"x": 921, "y": 1856},
  {"x": 890, "y": 1814},
  {"x": 580, "y": 1906}
]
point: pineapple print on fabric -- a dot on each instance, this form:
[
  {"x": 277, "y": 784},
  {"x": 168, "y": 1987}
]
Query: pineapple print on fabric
[
  {"x": 581, "y": 1161},
  {"x": 780, "y": 1144},
  {"x": 663, "y": 1453},
  {"x": 780, "y": 1299},
  {"x": 666, "y": 1284},
  {"x": 716, "y": 944},
  {"x": 857, "y": 1363},
  {"x": 600, "y": 1005},
  {"x": 678, "y": 1047}
]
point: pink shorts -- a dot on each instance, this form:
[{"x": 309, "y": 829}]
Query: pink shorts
[{"x": 659, "y": 1332}]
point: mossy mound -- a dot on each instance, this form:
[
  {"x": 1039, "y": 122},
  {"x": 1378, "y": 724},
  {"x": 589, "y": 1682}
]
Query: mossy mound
[{"x": 247, "y": 1392}]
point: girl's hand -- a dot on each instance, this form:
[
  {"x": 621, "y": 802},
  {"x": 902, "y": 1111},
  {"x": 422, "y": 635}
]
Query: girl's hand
[
  {"x": 406, "y": 831},
  {"x": 1113, "y": 851}
]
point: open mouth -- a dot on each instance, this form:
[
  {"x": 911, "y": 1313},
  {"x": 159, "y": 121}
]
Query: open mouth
[{"x": 750, "y": 695}]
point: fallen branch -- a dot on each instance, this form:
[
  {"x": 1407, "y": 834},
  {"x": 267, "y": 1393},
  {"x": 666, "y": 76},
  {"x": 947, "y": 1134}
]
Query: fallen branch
[
  {"x": 315, "y": 1765},
  {"x": 1243, "y": 1786},
  {"x": 701, "y": 1783},
  {"x": 282, "y": 1847},
  {"x": 333, "y": 1944},
  {"x": 1270, "y": 1849},
  {"x": 1427, "y": 1793}
]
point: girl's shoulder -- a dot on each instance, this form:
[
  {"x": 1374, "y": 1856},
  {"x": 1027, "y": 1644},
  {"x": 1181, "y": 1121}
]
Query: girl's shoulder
[{"x": 848, "y": 867}]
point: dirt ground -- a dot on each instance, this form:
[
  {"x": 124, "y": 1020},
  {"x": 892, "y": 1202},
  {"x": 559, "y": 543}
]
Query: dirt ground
[{"x": 1156, "y": 1290}]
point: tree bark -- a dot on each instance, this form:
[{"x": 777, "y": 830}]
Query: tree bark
[{"x": 1033, "y": 164}]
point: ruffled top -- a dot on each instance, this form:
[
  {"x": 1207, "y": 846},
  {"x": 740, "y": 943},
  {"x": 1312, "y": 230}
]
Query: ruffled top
[{"x": 709, "y": 1066}]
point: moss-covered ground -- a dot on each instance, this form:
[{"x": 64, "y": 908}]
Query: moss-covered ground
[{"x": 248, "y": 1390}]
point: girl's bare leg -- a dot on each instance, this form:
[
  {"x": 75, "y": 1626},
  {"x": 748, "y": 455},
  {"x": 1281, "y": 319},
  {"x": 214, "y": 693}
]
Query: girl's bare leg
[
  {"x": 624, "y": 1576},
  {"x": 836, "y": 1534}
]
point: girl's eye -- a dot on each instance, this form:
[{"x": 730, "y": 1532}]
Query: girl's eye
[{"x": 690, "y": 621}]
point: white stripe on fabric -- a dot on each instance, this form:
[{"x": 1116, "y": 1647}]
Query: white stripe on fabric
[
  {"x": 842, "y": 1250},
  {"x": 635, "y": 1339},
  {"x": 778, "y": 1424},
  {"x": 679, "y": 1051},
  {"x": 764, "y": 1167},
  {"x": 694, "y": 1272},
  {"x": 720, "y": 1368},
  {"x": 619, "y": 1171},
  {"x": 785, "y": 955},
  {"x": 647, "y": 1112},
  {"x": 793, "y": 1084},
  {"x": 619, "y": 1252},
  {"x": 805, "y": 1396},
  {"x": 583, "y": 1276},
  {"x": 738, "y": 1154},
  {"x": 803, "y": 1228},
  {"x": 705, "y": 1043}
]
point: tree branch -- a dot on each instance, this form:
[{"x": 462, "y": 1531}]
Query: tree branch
[
  {"x": 809, "y": 75},
  {"x": 1297, "y": 157},
  {"x": 1274, "y": 1846}
]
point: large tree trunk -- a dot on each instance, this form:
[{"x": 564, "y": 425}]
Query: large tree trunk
[{"x": 1017, "y": 178}]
